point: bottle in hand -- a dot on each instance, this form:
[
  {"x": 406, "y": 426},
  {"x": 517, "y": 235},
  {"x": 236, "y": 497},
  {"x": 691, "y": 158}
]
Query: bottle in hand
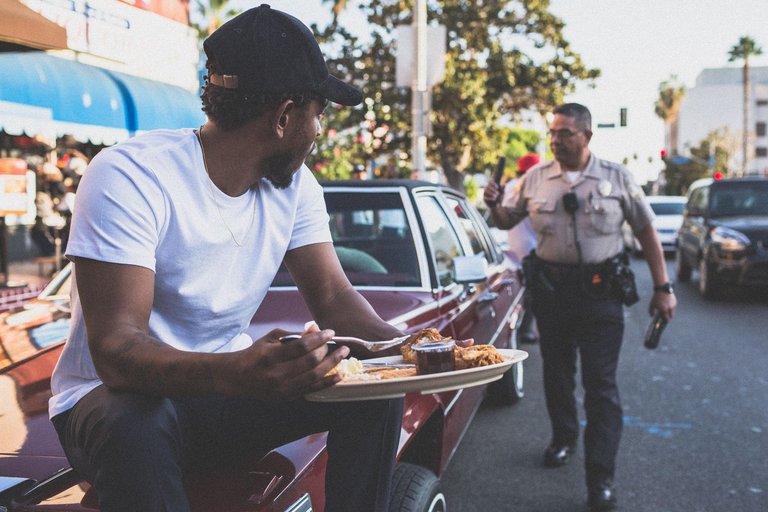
[{"x": 653, "y": 334}]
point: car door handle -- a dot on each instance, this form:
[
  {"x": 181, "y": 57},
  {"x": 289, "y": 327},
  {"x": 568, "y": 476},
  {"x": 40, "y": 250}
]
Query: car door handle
[
  {"x": 487, "y": 297},
  {"x": 507, "y": 281}
]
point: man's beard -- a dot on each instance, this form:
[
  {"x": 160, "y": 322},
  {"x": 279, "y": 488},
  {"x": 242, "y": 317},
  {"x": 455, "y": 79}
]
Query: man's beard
[{"x": 281, "y": 167}]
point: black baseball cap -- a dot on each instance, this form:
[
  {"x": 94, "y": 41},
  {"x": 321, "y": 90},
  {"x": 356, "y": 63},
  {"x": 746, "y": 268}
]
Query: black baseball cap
[{"x": 268, "y": 51}]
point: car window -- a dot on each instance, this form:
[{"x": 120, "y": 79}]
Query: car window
[
  {"x": 444, "y": 241},
  {"x": 736, "y": 199},
  {"x": 468, "y": 228},
  {"x": 372, "y": 238},
  {"x": 469, "y": 223},
  {"x": 698, "y": 199},
  {"x": 667, "y": 208}
]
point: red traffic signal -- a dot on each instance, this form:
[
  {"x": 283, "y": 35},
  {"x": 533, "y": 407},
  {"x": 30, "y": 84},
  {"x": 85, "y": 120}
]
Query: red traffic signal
[
  {"x": 717, "y": 175},
  {"x": 663, "y": 153}
]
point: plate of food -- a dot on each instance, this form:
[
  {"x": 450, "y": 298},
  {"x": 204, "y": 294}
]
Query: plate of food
[{"x": 394, "y": 376}]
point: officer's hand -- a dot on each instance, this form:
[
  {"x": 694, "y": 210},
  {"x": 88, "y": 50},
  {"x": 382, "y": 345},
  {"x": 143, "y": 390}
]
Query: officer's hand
[
  {"x": 664, "y": 303},
  {"x": 491, "y": 193}
]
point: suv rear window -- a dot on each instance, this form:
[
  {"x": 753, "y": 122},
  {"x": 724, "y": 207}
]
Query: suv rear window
[
  {"x": 667, "y": 208},
  {"x": 728, "y": 199}
]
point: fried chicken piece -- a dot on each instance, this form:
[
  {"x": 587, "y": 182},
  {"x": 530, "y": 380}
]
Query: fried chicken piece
[
  {"x": 475, "y": 356},
  {"x": 424, "y": 335}
]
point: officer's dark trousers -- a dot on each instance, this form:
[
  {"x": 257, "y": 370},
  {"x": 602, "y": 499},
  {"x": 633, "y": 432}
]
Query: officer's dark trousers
[
  {"x": 135, "y": 448},
  {"x": 575, "y": 324}
]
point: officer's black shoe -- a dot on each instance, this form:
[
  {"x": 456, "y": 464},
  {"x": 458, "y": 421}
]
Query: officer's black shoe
[
  {"x": 602, "y": 497},
  {"x": 528, "y": 329},
  {"x": 557, "y": 455}
]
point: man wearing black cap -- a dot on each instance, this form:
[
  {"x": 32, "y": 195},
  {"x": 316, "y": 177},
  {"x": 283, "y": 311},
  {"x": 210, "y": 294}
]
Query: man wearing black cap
[{"x": 176, "y": 239}]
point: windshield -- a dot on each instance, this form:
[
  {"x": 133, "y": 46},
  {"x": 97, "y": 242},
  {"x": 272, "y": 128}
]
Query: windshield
[
  {"x": 739, "y": 199},
  {"x": 372, "y": 238},
  {"x": 667, "y": 208}
]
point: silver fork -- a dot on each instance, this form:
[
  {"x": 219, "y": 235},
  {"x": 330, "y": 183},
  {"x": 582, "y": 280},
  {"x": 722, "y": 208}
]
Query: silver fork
[{"x": 371, "y": 346}]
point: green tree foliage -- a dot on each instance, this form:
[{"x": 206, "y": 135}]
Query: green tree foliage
[
  {"x": 214, "y": 13},
  {"x": 502, "y": 57},
  {"x": 518, "y": 142},
  {"x": 710, "y": 156},
  {"x": 667, "y": 107}
]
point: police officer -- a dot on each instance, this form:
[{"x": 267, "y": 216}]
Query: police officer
[{"x": 577, "y": 204}]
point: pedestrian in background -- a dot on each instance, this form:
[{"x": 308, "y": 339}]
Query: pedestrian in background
[
  {"x": 577, "y": 204},
  {"x": 176, "y": 238},
  {"x": 521, "y": 241}
]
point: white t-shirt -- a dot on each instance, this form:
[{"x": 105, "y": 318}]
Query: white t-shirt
[{"x": 149, "y": 202}]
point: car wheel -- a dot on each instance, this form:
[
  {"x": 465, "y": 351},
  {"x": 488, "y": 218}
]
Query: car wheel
[
  {"x": 682, "y": 268},
  {"x": 708, "y": 285},
  {"x": 416, "y": 489},
  {"x": 510, "y": 388}
]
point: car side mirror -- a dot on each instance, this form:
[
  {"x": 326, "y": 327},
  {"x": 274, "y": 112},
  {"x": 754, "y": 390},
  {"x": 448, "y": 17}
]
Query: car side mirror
[{"x": 469, "y": 269}]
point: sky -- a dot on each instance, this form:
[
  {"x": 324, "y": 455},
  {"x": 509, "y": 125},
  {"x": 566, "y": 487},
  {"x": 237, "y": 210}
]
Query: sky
[{"x": 636, "y": 44}]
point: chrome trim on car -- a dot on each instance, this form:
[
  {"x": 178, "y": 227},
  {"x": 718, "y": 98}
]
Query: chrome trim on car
[
  {"x": 303, "y": 504},
  {"x": 510, "y": 313}
]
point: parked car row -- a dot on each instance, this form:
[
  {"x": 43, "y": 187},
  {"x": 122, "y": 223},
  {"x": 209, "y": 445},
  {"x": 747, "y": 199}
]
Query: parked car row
[
  {"x": 724, "y": 235},
  {"x": 669, "y": 218},
  {"x": 399, "y": 242}
]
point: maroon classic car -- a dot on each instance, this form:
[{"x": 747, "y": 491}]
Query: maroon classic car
[{"x": 422, "y": 256}]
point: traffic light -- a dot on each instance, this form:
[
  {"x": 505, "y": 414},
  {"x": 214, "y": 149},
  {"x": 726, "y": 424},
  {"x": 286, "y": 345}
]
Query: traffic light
[
  {"x": 663, "y": 153},
  {"x": 717, "y": 175},
  {"x": 623, "y": 117}
]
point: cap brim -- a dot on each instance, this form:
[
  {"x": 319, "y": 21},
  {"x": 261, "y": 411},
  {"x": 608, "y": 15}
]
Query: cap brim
[{"x": 339, "y": 92}]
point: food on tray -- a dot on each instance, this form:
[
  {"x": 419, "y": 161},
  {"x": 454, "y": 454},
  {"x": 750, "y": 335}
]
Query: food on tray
[
  {"x": 477, "y": 355},
  {"x": 348, "y": 367},
  {"x": 353, "y": 370},
  {"x": 423, "y": 336},
  {"x": 434, "y": 356},
  {"x": 465, "y": 357},
  {"x": 381, "y": 373},
  {"x": 429, "y": 351}
]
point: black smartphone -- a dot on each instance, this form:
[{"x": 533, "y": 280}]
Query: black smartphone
[
  {"x": 653, "y": 334},
  {"x": 498, "y": 174}
]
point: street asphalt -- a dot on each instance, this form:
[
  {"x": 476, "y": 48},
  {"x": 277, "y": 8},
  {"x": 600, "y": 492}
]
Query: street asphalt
[{"x": 695, "y": 430}]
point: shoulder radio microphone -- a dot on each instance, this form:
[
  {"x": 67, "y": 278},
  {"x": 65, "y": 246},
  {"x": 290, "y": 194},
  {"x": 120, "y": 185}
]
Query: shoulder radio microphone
[{"x": 571, "y": 202}]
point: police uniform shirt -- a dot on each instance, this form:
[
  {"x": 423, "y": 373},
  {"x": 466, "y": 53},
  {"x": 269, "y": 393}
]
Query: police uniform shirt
[{"x": 607, "y": 196}]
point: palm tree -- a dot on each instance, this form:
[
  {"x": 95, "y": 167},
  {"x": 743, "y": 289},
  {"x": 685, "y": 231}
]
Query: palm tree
[
  {"x": 214, "y": 13},
  {"x": 746, "y": 48},
  {"x": 667, "y": 107}
]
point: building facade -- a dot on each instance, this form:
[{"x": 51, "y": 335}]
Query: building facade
[{"x": 716, "y": 103}]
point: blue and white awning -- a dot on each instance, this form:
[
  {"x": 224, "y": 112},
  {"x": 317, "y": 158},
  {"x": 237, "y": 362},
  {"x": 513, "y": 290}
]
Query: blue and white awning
[{"x": 45, "y": 95}]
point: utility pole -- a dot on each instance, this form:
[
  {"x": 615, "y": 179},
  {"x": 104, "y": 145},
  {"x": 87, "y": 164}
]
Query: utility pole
[{"x": 419, "y": 92}]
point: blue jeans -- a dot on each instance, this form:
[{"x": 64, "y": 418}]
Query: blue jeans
[{"x": 136, "y": 448}]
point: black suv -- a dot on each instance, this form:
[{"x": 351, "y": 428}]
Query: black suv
[{"x": 724, "y": 234}]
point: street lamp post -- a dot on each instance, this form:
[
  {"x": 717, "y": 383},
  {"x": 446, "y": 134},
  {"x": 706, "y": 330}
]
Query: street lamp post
[{"x": 419, "y": 92}]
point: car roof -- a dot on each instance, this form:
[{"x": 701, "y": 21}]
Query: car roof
[
  {"x": 744, "y": 179},
  {"x": 379, "y": 183}
]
